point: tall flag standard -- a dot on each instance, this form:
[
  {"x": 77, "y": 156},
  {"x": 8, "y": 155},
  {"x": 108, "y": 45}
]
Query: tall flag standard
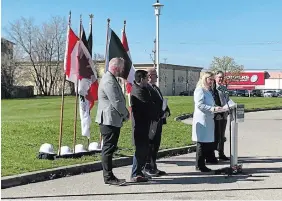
[{"x": 90, "y": 37}]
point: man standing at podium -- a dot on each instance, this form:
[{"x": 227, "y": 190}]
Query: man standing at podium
[{"x": 220, "y": 119}]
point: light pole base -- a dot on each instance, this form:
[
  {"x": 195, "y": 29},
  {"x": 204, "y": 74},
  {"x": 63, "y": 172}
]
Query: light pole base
[{"x": 230, "y": 171}]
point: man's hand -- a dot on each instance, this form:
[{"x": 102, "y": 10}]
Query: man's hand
[{"x": 216, "y": 109}]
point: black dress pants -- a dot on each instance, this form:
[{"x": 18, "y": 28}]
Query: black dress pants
[
  {"x": 219, "y": 135},
  {"x": 110, "y": 136},
  {"x": 203, "y": 151},
  {"x": 139, "y": 159},
  {"x": 154, "y": 146}
]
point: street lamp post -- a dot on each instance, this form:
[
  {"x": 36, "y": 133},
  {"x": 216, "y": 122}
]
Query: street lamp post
[{"x": 157, "y": 7}]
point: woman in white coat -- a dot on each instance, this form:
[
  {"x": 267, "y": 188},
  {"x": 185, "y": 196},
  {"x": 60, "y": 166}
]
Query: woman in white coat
[{"x": 203, "y": 122}]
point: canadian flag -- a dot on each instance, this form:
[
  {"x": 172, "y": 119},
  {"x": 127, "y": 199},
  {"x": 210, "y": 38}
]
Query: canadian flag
[
  {"x": 78, "y": 66},
  {"x": 70, "y": 61},
  {"x": 88, "y": 82}
]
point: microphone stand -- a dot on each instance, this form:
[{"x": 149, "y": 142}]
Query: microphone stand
[{"x": 236, "y": 169}]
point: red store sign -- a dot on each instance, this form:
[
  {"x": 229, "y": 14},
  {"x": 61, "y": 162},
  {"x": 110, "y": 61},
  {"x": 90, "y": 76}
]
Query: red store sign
[{"x": 251, "y": 78}]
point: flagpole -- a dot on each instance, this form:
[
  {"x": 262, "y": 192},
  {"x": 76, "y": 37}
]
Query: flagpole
[
  {"x": 91, "y": 16},
  {"x": 124, "y": 90},
  {"x": 63, "y": 101},
  {"x": 125, "y": 81},
  {"x": 90, "y": 31},
  {"x": 107, "y": 42},
  {"x": 76, "y": 96}
]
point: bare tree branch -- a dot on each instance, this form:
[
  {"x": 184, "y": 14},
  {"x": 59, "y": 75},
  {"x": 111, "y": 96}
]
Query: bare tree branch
[{"x": 45, "y": 46}]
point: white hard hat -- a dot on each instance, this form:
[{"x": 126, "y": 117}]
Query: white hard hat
[
  {"x": 47, "y": 148},
  {"x": 79, "y": 148},
  {"x": 65, "y": 150},
  {"x": 94, "y": 146}
]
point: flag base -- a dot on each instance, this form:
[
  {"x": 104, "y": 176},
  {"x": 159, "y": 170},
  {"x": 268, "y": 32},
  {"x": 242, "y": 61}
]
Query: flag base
[{"x": 78, "y": 155}]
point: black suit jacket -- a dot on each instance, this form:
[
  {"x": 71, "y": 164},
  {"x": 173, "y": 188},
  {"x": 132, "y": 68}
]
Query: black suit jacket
[
  {"x": 158, "y": 100},
  {"x": 142, "y": 113}
]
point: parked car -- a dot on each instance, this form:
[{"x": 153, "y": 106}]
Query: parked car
[
  {"x": 256, "y": 93},
  {"x": 184, "y": 93},
  {"x": 270, "y": 94},
  {"x": 231, "y": 92},
  {"x": 240, "y": 92}
]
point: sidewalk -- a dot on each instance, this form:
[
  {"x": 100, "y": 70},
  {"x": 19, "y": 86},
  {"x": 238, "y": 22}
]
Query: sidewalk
[{"x": 260, "y": 151}]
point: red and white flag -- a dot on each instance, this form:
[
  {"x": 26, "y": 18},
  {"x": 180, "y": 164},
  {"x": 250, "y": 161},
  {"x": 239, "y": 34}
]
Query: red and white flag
[
  {"x": 88, "y": 82},
  {"x": 70, "y": 61},
  {"x": 79, "y": 66},
  {"x": 131, "y": 74},
  {"x": 130, "y": 77}
]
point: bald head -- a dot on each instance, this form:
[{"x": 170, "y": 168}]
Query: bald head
[
  {"x": 151, "y": 70},
  {"x": 152, "y": 75}
]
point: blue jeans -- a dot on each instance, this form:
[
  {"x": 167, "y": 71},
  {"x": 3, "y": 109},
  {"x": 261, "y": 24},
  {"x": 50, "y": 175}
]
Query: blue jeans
[{"x": 139, "y": 159}]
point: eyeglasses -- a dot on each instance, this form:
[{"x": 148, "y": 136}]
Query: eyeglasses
[{"x": 153, "y": 74}]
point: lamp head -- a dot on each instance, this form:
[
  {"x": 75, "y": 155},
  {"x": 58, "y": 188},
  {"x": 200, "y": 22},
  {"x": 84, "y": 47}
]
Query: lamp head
[{"x": 157, "y": 5}]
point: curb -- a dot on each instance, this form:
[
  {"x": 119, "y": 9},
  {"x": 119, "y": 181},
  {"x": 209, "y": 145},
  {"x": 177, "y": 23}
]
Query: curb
[
  {"x": 56, "y": 173},
  {"x": 186, "y": 116}
]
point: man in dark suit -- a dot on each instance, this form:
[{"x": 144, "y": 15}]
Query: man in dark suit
[
  {"x": 142, "y": 105},
  {"x": 220, "y": 119},
  {"x": 156, "y": 125},
  {"x": 111, "y": 114}
]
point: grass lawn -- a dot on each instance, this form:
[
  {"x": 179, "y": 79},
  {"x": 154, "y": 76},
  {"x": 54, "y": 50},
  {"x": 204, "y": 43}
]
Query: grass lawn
[{"x": 28, "y": 123}]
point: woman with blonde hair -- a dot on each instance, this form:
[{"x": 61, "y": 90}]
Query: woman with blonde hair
[{"x": 203, "y": 122}]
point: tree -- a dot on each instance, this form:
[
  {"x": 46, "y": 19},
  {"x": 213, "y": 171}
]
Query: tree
[
  {"x": 10, "y": 56},
  {"x": 7, "y": 78},
  {"x": 43, "y": 47},
  {"x": 229, "y": 67}
]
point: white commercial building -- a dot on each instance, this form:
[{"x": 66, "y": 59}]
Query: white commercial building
[{"x": 175, "y": 79}]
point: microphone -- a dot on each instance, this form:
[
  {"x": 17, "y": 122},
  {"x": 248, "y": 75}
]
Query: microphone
[{"x": 222, "y": 89}]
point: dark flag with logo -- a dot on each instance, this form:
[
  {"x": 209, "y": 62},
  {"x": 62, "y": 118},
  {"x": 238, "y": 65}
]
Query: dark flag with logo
[{"x": 116, "y": 49}]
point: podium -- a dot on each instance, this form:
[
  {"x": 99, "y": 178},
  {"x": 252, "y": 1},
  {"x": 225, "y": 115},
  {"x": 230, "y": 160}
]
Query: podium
[{"x": 236, "y": 116}]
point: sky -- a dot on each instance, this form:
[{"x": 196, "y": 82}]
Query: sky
[{"x": 192, "y": 32}]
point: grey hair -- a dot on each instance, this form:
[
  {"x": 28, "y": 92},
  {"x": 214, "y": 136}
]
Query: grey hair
[{"x": 116, "y": 63}]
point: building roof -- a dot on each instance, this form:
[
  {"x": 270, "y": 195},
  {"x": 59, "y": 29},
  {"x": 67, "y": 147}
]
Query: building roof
[
  {"x": 6, "y": 40},
  {"x": 275, "y": 75},
  {"x": 140, "y": 65}
]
